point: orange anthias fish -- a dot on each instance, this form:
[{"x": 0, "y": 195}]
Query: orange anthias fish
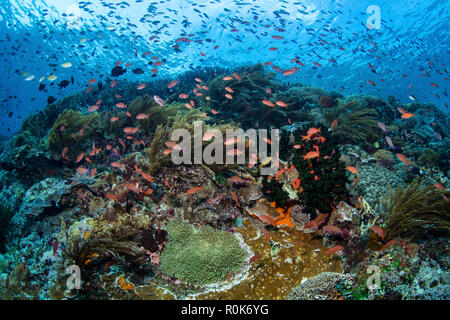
[
  {"x": 335, "y": 249},
  {"x": 268, "y": 103},
  {"x": 117, "y": 165},
  {"x": 144, "y": 175},
  {"x": 172, "y": 84},
  {"x": 352, "y": 169},
  {"x": 121, "y": 105},
  {"x": 266, "y": 219},
  {"x": 142, "y": 116},
  {"x": 281, "y": 104},
  {"x": 403, "y": 159},
  {"x": 332, "y": 229},
  {"x": 407, "y": 115},
  {"x": 334, "y": 124},
  {"x": 296, "y": 184},
  {"x": 266, "y": 234},
  {"x": 388, "y": 245},
  {"x": 80, "y": 157},
  {"x": 311, "y": 155},
  {"x": 317, "y": 221},
  {"x": 129, "y": 130},
  {"x": 132, "y": 187},
  {"x": 82, "y": 170},
  {"x": 255, "y": 257},
  {"x": 64, "y": 152},
  {"x": 55, "y": 246},
  {"x": 235, "y": 198},
  {"x": 111, "y": 196},
  {"x": 194, "y": 190},
  {"x": 378, "y": 231},
  {"x": 312, "y": 134}
]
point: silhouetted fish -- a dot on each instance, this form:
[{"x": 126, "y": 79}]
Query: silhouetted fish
[
  {"x": 138, "y": 71},
  {"x": 51, "y": 99},
  {"x": 63, "y": 84},
  {"x": 117, "y": 71}
]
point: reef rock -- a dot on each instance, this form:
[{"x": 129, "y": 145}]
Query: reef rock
[{"x": 41, "y": 200}]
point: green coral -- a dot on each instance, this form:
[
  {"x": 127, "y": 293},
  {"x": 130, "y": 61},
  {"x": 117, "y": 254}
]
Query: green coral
[{"x": 200, "y": 257}]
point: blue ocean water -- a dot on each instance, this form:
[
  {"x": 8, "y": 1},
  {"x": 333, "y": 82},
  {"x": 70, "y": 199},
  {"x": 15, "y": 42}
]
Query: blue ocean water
[{"x": 403, "y": 57}]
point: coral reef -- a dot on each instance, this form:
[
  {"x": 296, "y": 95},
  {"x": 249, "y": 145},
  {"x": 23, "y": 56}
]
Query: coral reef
[{"x": 99, "y": 190}]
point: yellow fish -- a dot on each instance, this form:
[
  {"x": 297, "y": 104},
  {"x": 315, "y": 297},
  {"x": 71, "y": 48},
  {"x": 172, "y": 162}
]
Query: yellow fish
[{"x": 265, "y": 161}]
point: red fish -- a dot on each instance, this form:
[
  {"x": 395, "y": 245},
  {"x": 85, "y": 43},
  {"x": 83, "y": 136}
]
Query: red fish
[
  {"x": 403, "y": 159},
  {"x": 172, "y": 84},
  {"x": 332, "y": 229},
  {"x": 159, "y": 101},
  {"x": 378, "y": 231},
  {"x": 334, "y": 124},
  {"x": 82, "y": 170},
  {"x": 111, "y": 196},
  {"x": 335, "y": 249},
  {"x": 255, "y": 257},
  {"x": 117, "y": 165},
  {"x": 194, "y": 190},
  {"x": 121, "y": 105},
  {"x": 141, "y": 86},
  {"x": 129, "y": 130},
  {"x": 55, "y": 246},
  {"x": 235, "y": 198},
  {"x": 266, "y": 234},
  {"x": 388, "y": 245}
]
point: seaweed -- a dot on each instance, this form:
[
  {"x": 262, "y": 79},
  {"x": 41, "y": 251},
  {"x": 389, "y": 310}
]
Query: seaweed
[{"x": 417, "y": 211}]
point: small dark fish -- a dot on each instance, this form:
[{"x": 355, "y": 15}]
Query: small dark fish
[
  {"x": 51, "y": 99},
  {"x": 63, "y": 84},
  {"x": 41, "y": 87},
  {"x": 138, "y": 71},
  {"x": 118, "y": 71}
]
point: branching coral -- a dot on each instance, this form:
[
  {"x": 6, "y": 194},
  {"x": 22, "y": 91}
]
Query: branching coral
[
  {"x": 201, "y": 256},
  {"x": 417, "y": 211}
]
